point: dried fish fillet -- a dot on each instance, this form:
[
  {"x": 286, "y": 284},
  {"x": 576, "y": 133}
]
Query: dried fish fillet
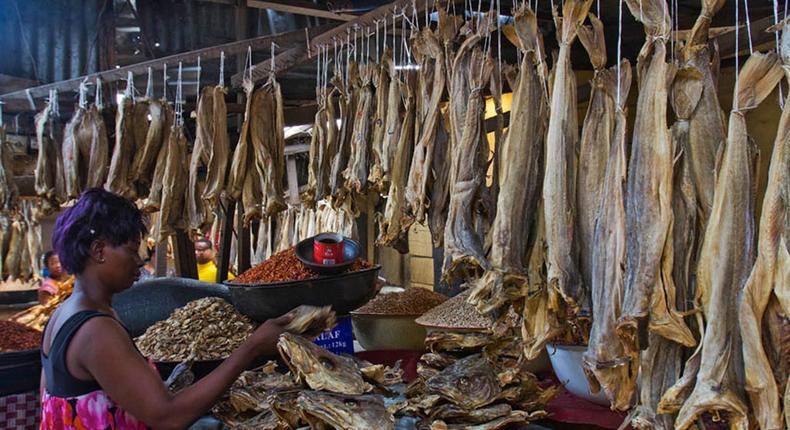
[
  {"x": 218, "y": 152},
  {"x": 356, "y": 173},
  {"x": 242, "y": 155},
  {"x": 199, "y": 214},
  {"x": 559, "y": 181},
  {"x": 143, "y": 164},
  {"x": 71, "y": 154},
  {"x": 98, "y": 157},
  {"x": 381, "y": 82},
  {"x": 172, "y": 215},
  {"x": 123, "y": 151},
  {"x": 268, "y": 145},
  {"x": 49, "y": 165},
  {"x": 728, "y": 252}
]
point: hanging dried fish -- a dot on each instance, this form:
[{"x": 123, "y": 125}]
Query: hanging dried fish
[
  {"x": 391, "y": 228},
  {"x": 595, "y": 143},
  {"x": 49, "y": 182},
  {"x": 242, "y": 154},
  {"x": 356, "y": 173},
  {"x": 348, "y": 104},
  {"x": 153, "y": 202},
  {"x": 71, "y": 154},
  {"x": 198, "y": 213},
  {"x": 605, "y": 360},
  {"x": 392, "y": 126},
  {"x": 317, "y": 152},
  {"x": 330, "y": 147},
  {"x": 769, "y": 277},
  {"x": 463, "y": 247},
  {"x": 9, "y": 191},
  {"x": 649, "y": 194},
  {"x": 218, "y": 152},
  {"x": 381, "y": 81},
  {"x": 519, "y": 175},
  {"x": 559, "y": 182},
  {"x": 11, "y": 264},
  {"x": 143, "y": 164},
  {"x": 99, "y": 153},
  {"x": 430, "y": 54},
  {"x": 729, "y": 243},
  {"x": 172, "y": 215},
  {"x": 123, "y": 151},
  {"x": 268, "y": 145}
]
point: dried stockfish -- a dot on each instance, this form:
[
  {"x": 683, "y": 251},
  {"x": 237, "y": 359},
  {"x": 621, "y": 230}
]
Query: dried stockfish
[
  {"x": 198, "y": 213},
  {"x": 123, "y": 151},
  {"x": 317, "y": 152},
  {"x": 268, "y": 145},
  {"x": 381, "y": 82},
  {"x": 154, "y": 200},
  {"x": 242, "y": 156},
  {"x": 71, "y": 154},
  {"x": 49, "y": 181},
  {"x": 348, "y": 105},
  {"x": 144, "y": 162},
  {"x": 218, "y": 152},
  {"x": 172, "y": 215},
  {"x": 356, "y": 173}
]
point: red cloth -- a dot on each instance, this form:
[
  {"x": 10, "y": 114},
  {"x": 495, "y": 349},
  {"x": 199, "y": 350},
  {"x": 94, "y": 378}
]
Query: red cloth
[{"x": 408, "y": 360}]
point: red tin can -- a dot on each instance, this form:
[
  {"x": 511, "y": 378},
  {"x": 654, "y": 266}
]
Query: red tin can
[{"x": 328, "y": 248}]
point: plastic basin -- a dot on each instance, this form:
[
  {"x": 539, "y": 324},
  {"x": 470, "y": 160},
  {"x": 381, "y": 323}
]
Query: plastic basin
[{"x": 567, "y": 363}]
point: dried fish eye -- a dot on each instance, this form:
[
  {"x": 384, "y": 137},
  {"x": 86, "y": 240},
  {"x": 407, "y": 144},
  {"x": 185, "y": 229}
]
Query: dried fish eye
[
  {"x": 327, "y": 363},
  {"x": 351, "y": 403},
  {"x": 463, "y": 382}
]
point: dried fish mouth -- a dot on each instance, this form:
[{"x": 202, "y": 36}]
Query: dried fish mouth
[
  {"x": 319, "y": 368},
  {"x": 344, "y": 412}
]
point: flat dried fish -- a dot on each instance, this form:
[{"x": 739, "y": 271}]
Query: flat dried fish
[
  {"x": 218, "y": 152},
  {"x": 319, "y": 368},
  {"x": 172, "y": 215},
  {"x": 605, "y": 360},
  {"x": 311, "y": 320},
  {"x": 98, "y": 156},
  {"x": 729, "y": 243},
  {"x": 519, "y": 176},
  {"x": 242, "y": 155},
  {"x": 153, "y": 202},
  {"x": 345, "y": 412},
  {"x": 49, "y": 181},
  {"x": 198, "y": 214},
  {"x": 559, "y": 182},
  {"x": 348, "y": 104},
  {"x": 356, "y": 173},
  {"x": 381, "y": 82},
  {"x": 9, "y": 192},
  {"x": 769, "y": 276},
  {"x": 317, "y": 153},
  {"x": 71, "y": 154},
  {"x": 143, "y": 164},
  {"x": 268, "y": 145}
]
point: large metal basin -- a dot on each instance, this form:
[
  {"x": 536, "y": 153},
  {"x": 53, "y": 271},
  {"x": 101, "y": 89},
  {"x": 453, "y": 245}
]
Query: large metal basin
[
  {"x": 388, "y": 332},
  {"x": 344, "y": 292}
]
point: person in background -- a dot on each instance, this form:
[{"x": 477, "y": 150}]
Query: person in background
[
  {"x": 93, "y": 375},
  {"x": 54, "y": 277},
  {"x": 206, "y": 266},
  {"x": 148, "y": 271}
]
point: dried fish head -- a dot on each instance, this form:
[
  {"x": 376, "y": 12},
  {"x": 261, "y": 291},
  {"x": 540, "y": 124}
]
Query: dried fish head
[
  {"x": 319, "y": 368},
  {"x": 469, "y": 383},
  {"x": 345, "y": 412},
  {"x": 455, "y": 341},
  {"x": 311, "y": 320}
]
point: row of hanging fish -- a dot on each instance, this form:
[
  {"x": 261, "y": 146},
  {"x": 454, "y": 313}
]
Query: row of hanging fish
[{"x": 646, "y": 248}]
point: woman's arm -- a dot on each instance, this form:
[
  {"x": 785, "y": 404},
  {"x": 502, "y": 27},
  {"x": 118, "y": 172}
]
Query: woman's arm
[{"x": 106, "y": 353}]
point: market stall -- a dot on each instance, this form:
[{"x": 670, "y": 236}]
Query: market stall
[{"x": 601, "y": 188}]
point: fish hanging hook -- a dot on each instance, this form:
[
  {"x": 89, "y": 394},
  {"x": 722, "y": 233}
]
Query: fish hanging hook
[
  {"x": 99, "y": 101},
  {"x": 164, "y": 82},
  {"x": 197, "y": 81},
  {"x": 179, "y": 98},
  {"x": 129, "y": 85},
  {"x": 222, "y": 69},
  {"x": 83, "y": 90},
  {"x": 149, "y": 87}
]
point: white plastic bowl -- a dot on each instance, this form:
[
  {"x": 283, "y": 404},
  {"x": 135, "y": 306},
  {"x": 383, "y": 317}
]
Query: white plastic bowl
[{"x": 567, "y": 363}]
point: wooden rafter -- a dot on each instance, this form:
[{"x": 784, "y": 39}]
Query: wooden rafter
[
  {"x": 287, "y": 39},
  {"x": 298, "y": 7},
  {"x": 300, "y": 54}
]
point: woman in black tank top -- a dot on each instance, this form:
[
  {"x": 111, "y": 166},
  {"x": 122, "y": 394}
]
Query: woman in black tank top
[{"x": 93, "y": 375}]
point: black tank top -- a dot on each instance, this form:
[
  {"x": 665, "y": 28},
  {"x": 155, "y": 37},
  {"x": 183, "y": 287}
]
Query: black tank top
[{"x": 60, "y": 382}]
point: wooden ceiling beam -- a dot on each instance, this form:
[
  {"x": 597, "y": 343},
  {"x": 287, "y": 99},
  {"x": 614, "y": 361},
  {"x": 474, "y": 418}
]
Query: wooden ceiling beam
[
  {"x": 298, "y": 7},
  {"x": 287, "y": 39},
  {"x": 300, "y": 54}
]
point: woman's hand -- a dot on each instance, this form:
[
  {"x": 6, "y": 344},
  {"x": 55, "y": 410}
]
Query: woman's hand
[{"x": 264, "y": 339}]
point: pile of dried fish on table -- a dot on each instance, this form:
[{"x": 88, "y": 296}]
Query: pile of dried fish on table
[
  {"x": 473, "y": 374},
  {"x": 322, "y": 389}
]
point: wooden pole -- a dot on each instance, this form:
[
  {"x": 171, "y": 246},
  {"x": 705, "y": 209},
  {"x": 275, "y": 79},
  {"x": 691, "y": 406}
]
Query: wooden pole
[{"x": 226, "y": 237}]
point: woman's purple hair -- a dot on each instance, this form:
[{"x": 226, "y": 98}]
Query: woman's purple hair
[{"x": 98, "y": 214}]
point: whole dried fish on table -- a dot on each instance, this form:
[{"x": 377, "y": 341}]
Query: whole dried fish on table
[
  {"x": 356, "y": 172},
  {"x": 606, "y": 361},
  {"x": 429, "y": 51},
  {"x": 49, "y": 181},
  {"x": 559, "y": 182},
  {"x": 463, "y": 246},
  {"x": 381, "y": 82},
  {"x": 519, "y": 176},
  {"x": 348, "y": 104},
  {"x": 514, "y": 417},
  {"x": 319, "y": 368},
  {"x": 71, "y": 154},
  {"x": 172, "y": 213},
  {"x": 268, "y": 145},
  {"x": 198, "y": 213},
  {"x": 470, "y": 383},
  {"x": 344, "y": 412},
  {"x": 648, "y": 270},
  {"x": 729, "y": 244},
  {"x": 393, "y": 231},
  {"x": 218, "y": 152},
  {"x": 595, "y": 143},
  {"x": 143, "y": 165},
  {"x": 769, "y": 276},
  {"x": 123, "y": 151}
]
